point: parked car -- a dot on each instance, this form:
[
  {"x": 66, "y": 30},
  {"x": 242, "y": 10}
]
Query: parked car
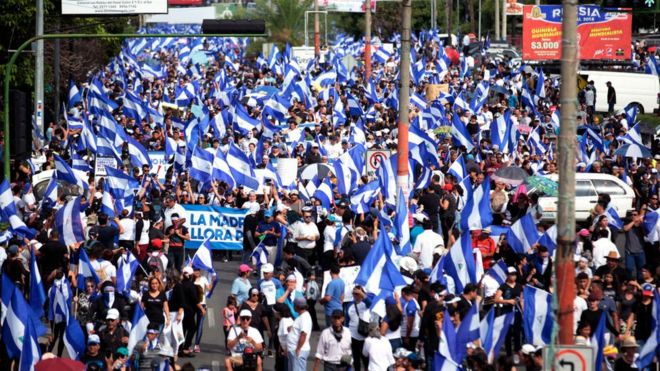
[
  {"x": 40, "y": 183},
  {"x": 587, "y": 188}
]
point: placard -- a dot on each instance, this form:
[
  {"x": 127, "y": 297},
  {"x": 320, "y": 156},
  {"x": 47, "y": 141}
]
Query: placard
[
  {"x": 348, "y": 275},
  {"x": 222, "y": 225},
  {"x": 158, "y": 164},
  {"x": 287, "y": 169},
  {"x": 100, "y": 164}
]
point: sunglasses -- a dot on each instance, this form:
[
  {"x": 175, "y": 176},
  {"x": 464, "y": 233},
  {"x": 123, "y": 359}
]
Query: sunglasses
[{"x": 246, "y": 318}]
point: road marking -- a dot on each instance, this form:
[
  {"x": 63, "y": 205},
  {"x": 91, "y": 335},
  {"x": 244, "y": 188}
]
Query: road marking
[
  {"x": 211, "y": 315},
  {"x": 215, "y": 365}
]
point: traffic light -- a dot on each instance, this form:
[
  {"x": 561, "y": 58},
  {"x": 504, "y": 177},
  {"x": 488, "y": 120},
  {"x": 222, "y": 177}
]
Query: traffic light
[{"x": 632, "y": 4}]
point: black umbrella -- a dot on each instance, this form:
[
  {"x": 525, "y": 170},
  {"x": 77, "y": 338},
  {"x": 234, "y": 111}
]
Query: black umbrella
[{"x": 510, "y": 175}]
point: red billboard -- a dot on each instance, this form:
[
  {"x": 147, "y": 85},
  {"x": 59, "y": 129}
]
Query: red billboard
[{"x": 602, "y": 34}]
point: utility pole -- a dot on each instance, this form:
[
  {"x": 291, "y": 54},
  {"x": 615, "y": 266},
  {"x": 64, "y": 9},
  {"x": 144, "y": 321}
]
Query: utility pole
[
  {"x": 504, "y": 20},
  {"x": 404, "y": 99},
  {"x": 497, "y": 20},
  {"x": 434, "y": 22},
  {"x": 565, "y": 279},
  {"x": 367, "y": 40},
  {"x": 317, "y": 30},
  {"x": 56, "y": 74},
  {"x": 448, "y": 6},
  {"x": 39, "y": 69},
  {"x": 479, "y": 20}
]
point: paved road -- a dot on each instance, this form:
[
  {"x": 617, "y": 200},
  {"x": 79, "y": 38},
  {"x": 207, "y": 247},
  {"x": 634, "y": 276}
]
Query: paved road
[{"x": 212, "y": 345}]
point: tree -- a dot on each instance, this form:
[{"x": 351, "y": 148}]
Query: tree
[{"x": 284, "y": 18}]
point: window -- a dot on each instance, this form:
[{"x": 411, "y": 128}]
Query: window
[
  {"x": 604, "y": 186},
  {"x": 583, "y": 188}
]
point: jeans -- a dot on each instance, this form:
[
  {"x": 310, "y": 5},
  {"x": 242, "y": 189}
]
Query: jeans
[
  {"x": 298, "y": 363},
  {"x": 359, "y": 360},
  {"x": 200, "y": 326},
  {"x": 634, "y": 263},
  {"x": 175, "y": 256},
  {"x": 396, "y": 344}
]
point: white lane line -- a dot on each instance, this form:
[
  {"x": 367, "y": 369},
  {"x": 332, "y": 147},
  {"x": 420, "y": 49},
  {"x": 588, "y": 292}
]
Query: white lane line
[
  {"x": 215, "y": 365},
  {"x": 211, "y": 314}
]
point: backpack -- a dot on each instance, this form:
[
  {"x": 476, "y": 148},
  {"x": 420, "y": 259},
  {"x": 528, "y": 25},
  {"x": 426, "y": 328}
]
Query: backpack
[{"x": 154, "y": 260}]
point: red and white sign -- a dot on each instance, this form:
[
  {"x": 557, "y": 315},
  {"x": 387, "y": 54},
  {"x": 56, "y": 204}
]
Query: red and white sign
[{"x": 375, "y": 157}]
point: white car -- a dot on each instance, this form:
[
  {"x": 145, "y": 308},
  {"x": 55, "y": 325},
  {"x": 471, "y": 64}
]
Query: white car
[
  {"x": 40, "y": 183},
  {"x": 587, "y": 188}
]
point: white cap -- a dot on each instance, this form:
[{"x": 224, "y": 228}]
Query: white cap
[
  {"x": 187, "y": 270},
  {"x": 112, "y": 314},
  {"x": 245, "y": 313},
  {"x": 528, "y": 349},
  {"x": 267, "y": 268}
]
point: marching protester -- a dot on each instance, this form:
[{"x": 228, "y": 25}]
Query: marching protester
[{"x": 119, "y": 264}]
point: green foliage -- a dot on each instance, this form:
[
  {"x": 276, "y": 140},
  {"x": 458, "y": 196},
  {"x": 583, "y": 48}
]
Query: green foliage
[{"x": 285, "y": 19}]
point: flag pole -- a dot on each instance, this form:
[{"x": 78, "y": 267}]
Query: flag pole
[
  {"x": 404, "y": 99},
  {"x": 565, "y": 279},
  {"x": 367, "y": 40}
]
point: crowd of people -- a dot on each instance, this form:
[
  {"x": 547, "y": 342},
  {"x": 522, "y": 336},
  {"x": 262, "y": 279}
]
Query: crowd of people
[{"x": 207, "y": 99}]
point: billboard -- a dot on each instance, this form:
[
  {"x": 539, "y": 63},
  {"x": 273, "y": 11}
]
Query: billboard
[
  {"x": 350, "y": 6},
  {"x": 513, "y": 7},
  {"x": 104, "y": 7},
  {"x": 602, "y": 34}
]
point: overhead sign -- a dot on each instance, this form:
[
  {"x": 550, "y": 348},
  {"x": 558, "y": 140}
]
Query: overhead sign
[
  {"x": 512, "y": 7},
  {"x": 303, "y": 54},
  {"x": 570, "y": 358},
  {"x": 602, "y": 34},
  {"x": 191, "y": 15},
  {"x": 95, "y": 7},
  {"x": 375, "y": 157},
  {"x": 221, "y": 225},
  {"x": 350, "y": 6}
]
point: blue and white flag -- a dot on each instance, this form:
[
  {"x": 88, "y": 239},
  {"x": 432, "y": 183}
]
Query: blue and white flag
[
  {"x": 652, "y": 226},
  {"x": 201, "y": 167},
  {"x": 652, "y": 346},
  {"x": 139, "y": 326},
  {"x": 242, "y": 120},
  {"x": 651, "y": 65},
  {"x": 537, "y": 316},
  {"x": 60, "y": 297},
  {"x": 523, "y": 234},
  {"x": 203, "y": 260},
  {"x": 37, "y": 293},
  {"x": 85, "y": 270},
  {"x": 498, "y": 272},
  {"x": 402, "y": 225},
  {"x": 493, "y": 331},
  {"x": 613, "y": 219},
  {"x": 31, "y": 352},
  {"x": 631, "y": 113},
  {"x": 324, "y": 194},
  {"x": 598, "y": 341},
  {"x": 381, "y": 55},
  {"x": 325, "y": 78},
  {"x": 259, "y": 255},
  {"x": 549, "y": 239},
  {"x": 8, "y": 212},
  {"x": 66, "y": 174},
  {"x": 137, "y": 153},
  {"x": 468, "y": 331},
  {"x": 460, "y": 134},
  {"x": 16, "y": 318},
  {"x": 221, "y": 170},
  {"x": 74, "y": 94},
  {"x": 458, "y": 169},
  {"x": 74, "y": 338},
  {"x": 363, "y": 198},
  {"x": 460, "y": 263},
  {"x": 378, "y": 272},
  {"x": 476, "y": 213},
  {"x": 127, "y": 265},
  {"x": 69, "y": 223},
  {"x": 241, "y": 169},
  {"x": 501, "y": 132},
  {"x": 121, "y": 185},
  {"x": 447, "y": 348}
]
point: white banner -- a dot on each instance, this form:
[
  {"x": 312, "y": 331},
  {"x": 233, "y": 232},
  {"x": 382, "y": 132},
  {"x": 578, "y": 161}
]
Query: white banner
[
  {"x": 348, "y": 275},
  {"x": 74, "y": 7},
  {"x": 191, "y": 15},
  {"x": 351, "y": 6}
]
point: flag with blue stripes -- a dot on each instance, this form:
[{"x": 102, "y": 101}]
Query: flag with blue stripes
[
  {"x": 31, "y": 352},
  {"x": 493, "y": 331},
  {"x": 537, "y": 315},
  {"x": 69, "y": 223},
  {"x": 59, "y": 296},
  {"x": 448, "y": 347},
  {"x": 201, "y": 165},
  {"x": 37, "y": 293},
  {"x": 363, "y": 198},
  {"x": 467, "y": 332},
  {"x": 498, "y": 272},
  {"x": 523, "y": 234},
  {"x": 402, "y": 226},
  {"x": 203, "y": 260},
  {"x": 549, "y": 239},
  {"x": 127, "y": 265},
  {"x": 651, "y": 65},
  {"x": 8, "y": 212},
  {"x": 460, "y": 263},
  {"x": 460, "y": 134},
  {"x": 74, "y": 94},
  {"x": 458, "y": 169},
  {"x": 598, "y": 341},
  {"x": 476, "y": 213},
  {"x": 140, "y": 322},
  {"x": 74, "y": 338},
  {"x": 613, "y": 219},
  {"x": 65, "y": 173},
  {"x": 651, "y": 347},
  {"x": 85, "y": 269}
]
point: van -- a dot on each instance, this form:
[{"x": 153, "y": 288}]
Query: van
[
  {"x": 588, "y": 186},
  {"x": 631, "y": 88},
  {"x": 40, "y": 183}
]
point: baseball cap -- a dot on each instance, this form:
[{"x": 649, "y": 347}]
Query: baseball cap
[
  {"x": 112, "y": 314},
  {"x": 244, "y": 268},
  {"x": 647, "y": 289},
  {"x": 528, "y": 349},
  {"x": 511, "y": 270},
  {"x": 93, "y": 339},
  {"x": 187, "y": 270},
  {"x": 245, "y": 313},
  {"x": 267, "y": 268},
  {"x": 122, "y": 351}
]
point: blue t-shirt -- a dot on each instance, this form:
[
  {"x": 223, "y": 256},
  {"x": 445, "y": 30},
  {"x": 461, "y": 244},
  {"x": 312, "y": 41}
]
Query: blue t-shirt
[
  {"x": 335, "y": 289},
  {"x": 288, "y": 301},
  {"x": 269, "y": 239},
  {"x": 241, "y": 289}
]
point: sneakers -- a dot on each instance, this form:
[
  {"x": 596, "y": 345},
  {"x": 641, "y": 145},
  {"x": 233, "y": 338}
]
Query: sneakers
[{"x": 196, "y": 349}]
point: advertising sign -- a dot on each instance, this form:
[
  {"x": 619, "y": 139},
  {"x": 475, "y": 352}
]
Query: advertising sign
[
  {"x": 222, "y": 225},
  {"x": 351, "y": 6},
  {"x": 512, "y": 7},
  {"x": 602, "y": 34},
  {"x": 75, "y": 7}
]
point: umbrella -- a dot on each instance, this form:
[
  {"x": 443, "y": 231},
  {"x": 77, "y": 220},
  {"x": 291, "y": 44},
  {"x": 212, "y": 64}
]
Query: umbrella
[
  {"x": 59, "y": 364},
  {"x": 312, "y": 170},
  {"x": 543, "y": 184},
  {"x": 512, "y": 175},
  {"x": 634, "y": 151}
]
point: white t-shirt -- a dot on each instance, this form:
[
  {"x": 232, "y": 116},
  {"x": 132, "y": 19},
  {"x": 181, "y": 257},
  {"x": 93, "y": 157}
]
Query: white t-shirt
[
  {"x": 307, "y": 229},
  {"x": 354, "y": 320},
  {"x": 144, "y": 235},
  {"x": 204, "y": 284},
  {"x": 302, "y": 324},
  {"x": 176, "y": 209},
  {"x": 267, "y": 287},
  {"x": 104, "y": 270},
  {"x": 252, "y": 332},
  {"x": 426, "y": 242},
  {"x": 379, "y": 352},
  {"x": 283, "y": 330},
  {"x": 128, "y": 225},
  {"x": 579, "y": 306}
]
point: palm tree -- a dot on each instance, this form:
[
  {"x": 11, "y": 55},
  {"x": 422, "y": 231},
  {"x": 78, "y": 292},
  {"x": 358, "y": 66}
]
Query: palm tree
[{"x": 284, "y": 18}]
